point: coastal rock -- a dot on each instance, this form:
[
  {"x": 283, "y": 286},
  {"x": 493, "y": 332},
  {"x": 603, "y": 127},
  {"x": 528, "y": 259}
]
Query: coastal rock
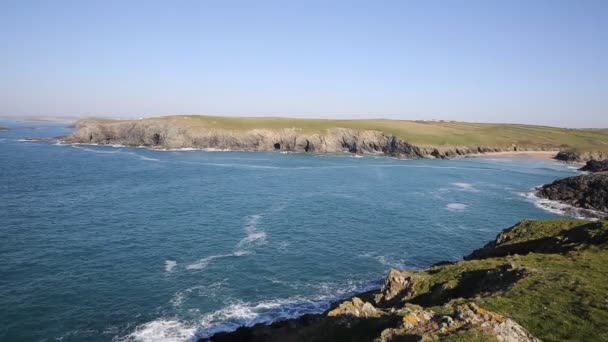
[
  {"x": 355, "y": 307},
  {"x": 426, "y": 326},
  {"x": 398, "y": 286},
  {"x": 585, "y": 191},
  {"x": 576, "y": 157},
  {"x": 595, "y": 166}
]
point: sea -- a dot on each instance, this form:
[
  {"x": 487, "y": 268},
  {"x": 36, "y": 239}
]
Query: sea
[{"x": 112, "y": 243}]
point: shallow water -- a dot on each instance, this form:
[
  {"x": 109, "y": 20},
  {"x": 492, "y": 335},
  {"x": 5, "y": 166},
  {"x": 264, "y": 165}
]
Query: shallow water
[{"x": 105, "y": 243}]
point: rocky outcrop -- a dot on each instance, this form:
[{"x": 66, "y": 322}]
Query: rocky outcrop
[
  {"x": 595, "y": 166},
  {"x": 585, "y": 191},
  {"x": 355, "y": 307},
  {"x": 421, "y": 325},
  {"x": 576, "y": 157},
  {"x": 398, "y": 287},
  {"x": 3, "y": 129},
  {"x": 163, "y": 134}
]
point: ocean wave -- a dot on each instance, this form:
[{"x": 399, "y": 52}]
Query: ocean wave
[
  {"x": 117, "y": 151},
  {"x": 241, "y": 313},
  {"x": 147, "y": 158},
  {"x": 254, "y": 236},
  {"x": 211, "y": 290},
  {"x": 204, "y": 262},
  {"x": 162, "y": 330},
  {"x": 456, "y": 207},
  {"x": 170, "y": 265},
  {"x": 386, "y": 260},
  {"x": 464, "y": 186},
  {"x": 96, "y": 151}
]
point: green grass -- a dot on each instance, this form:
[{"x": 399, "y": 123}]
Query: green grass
[
  {"x": 424, "y": 133},
  {"x": 563, "y": 297}
]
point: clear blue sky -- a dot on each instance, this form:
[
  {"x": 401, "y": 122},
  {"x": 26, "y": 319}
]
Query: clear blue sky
[{"x": 540, "y": 62}]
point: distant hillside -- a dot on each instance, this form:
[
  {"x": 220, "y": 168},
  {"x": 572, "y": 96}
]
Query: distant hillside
[{"x": 436, "y": 138}]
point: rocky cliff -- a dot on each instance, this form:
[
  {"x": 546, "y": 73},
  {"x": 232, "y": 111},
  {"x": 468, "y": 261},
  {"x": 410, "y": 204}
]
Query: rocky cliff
[
  {"x": 586, "y": 191},
  {"x": 537, "y": 280},
  {"x": 163, "y": 134}
]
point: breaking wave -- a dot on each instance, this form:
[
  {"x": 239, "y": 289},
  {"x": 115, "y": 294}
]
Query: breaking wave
[
  {"x": 455, "y": 207},
  {"x": 560, "y": 208},
  {"x": 241, "y": 313},
  {"x": 170, "y": 265}
]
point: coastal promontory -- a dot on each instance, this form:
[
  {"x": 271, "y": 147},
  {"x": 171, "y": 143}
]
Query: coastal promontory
[{"x": 396, "y": 138}]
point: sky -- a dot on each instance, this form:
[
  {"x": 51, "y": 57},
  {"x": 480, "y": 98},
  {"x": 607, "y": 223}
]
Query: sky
[{"x": 532, "y": 61}]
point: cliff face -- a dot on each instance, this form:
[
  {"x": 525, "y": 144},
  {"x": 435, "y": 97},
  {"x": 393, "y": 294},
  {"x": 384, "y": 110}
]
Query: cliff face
[
  {"x": 585, "y": 191},
  {"x": 166, "y": 135},
  {"x": 537, "y": 279}
]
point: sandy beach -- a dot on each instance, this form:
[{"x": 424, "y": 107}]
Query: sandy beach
[{"x": 540, "y": 155}]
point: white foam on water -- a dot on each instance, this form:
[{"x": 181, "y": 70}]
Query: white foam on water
[
  {"x": 204, "y": 262},
  {"x": 162, "y": 331},
  {"x": 255, "y": 236},
  {"x": 247, "y": 166},
  {"x": 148, "y": 158},
  {"x": 560, "y": 208},
  {"x": 464, "y": 186},
  {"x": 241, "y": 313},
  {"x": 96, "y": 151},
  {"x": 209, "y": 291},
  {"x": 26, "y": 140},
  {"x": 456, "y": 207},
  {"x": 170, "y": 265},
  {"x": 385, "y": 260}
]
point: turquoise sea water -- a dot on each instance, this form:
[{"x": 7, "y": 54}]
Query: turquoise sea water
[{"x": 103, "y": 243}]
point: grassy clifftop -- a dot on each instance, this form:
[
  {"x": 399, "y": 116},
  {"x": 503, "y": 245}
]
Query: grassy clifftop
[
  {"x": 422, "y": 133},
  {"x": 395, "y": 138},
  {"x": 543, "y": 280}
]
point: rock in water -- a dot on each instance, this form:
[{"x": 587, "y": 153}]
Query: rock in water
[
  {"x": 595, "y": 166},
  {"x": 586, "y": 191}
]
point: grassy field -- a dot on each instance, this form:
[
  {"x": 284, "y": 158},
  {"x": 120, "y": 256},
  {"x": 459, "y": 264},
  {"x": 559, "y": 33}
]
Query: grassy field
[{"x": 424, "y": 133}]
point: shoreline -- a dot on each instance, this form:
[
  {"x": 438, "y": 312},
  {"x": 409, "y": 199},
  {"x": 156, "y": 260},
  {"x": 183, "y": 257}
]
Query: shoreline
[
  {"x": 395, "y": 309},
  {"x": 532, "y": 154},
  {"x": 535, "y": 155}
]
